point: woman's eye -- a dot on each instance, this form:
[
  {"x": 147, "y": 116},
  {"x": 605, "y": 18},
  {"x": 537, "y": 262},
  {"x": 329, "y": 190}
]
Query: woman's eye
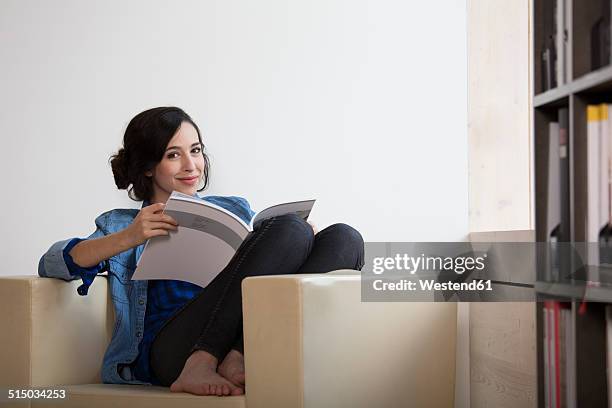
[
  {"x": 172, "y": 155},
  {"x": 196, "y": 150}
]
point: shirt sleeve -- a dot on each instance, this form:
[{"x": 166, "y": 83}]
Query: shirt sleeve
[
  {"x": 237, "y": 205},
  {"x": 57, "y": 263},
  {"x": 243, "y": 208},
  {"x": 86, "y": 274}
]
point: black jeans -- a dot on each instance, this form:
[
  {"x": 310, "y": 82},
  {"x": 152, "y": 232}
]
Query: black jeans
[{"x": 212, "y": 320}]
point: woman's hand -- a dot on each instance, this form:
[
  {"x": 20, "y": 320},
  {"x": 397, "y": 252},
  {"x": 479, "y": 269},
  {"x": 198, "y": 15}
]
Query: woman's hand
[
  {"x": 314, "y": 229},
  {"x": 150, "y": 222}
]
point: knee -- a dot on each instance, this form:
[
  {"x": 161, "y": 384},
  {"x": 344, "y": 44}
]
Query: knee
[
  {"x": 346, "y": 234},
  {"x": 291, "y": 230},
  {"x": 348, "y": 241}
]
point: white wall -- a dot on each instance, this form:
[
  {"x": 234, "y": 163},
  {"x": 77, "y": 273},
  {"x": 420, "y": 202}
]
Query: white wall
[{"x": 361, "y": 104}]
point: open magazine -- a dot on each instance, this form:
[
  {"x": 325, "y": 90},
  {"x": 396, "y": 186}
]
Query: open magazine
[{"x": 208, "y": 236}]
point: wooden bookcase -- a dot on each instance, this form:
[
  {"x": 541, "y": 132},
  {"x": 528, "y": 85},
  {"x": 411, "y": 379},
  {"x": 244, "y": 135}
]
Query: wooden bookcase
[{"x": 584, "y": 86}]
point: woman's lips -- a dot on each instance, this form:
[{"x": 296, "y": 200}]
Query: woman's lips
[{"x": 189, "y": 181}]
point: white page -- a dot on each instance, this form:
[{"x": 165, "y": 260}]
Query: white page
[
  {"x": 301, "y": 208},
  {"x": 206, "y": 240}
]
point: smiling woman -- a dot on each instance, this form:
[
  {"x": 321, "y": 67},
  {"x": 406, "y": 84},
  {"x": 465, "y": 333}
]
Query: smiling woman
[
  {"x": 181, "y": 167},
  {"x": 174, "y": 333},
  {"x": 163, "y": 151}
]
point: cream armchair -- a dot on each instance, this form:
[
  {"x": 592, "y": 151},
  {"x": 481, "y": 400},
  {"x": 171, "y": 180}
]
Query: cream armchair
[{"x": 309, "y": 342}]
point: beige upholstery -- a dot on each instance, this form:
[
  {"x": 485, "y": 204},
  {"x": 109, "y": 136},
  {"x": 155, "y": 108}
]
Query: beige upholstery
[{"x": 309, "y": 342}]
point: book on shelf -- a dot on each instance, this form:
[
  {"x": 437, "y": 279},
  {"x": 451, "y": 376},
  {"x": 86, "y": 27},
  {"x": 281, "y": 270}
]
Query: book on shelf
[
  {"x": 600, "y": 37},
  {"x": 559, "y": 383},
  {"x": 548, "y": 79},
  {"x": 598, "y": 143},
  {"x": 558, "y": 29},
  {"x": 563, "y": 15},
  {"x": 549, "y": 360},
  {"x": 605, "y": 183},
  {"x": 556, "y": 69},
  {"x": 557, "y": 197},
  {"x": 568, "y": 354},
  {"x": 593, "y": 121},
  {"x": 604, "y": 156},
  {"x": 553, "y": 202},
  {"x": 564, "y": 174},
  {"x": 207, "y": 238},
  {"x": 548, "y": 54},
  {"x": 568, "y": 41},
  {"x": 600, "y": 44},
  {"x": 609, "y": 351},
  {"x": 564, "y": 192}
]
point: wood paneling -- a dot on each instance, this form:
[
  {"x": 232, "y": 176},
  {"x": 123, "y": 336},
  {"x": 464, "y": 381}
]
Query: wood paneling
[
  {"x": 499, "y": 95},
  {"x": 503, "y": 355}
]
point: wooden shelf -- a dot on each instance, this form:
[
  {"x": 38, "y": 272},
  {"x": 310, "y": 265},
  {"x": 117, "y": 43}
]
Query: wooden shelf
[
  {"x": 596, "y": 81},
  {"x": 553, "y": 97},
  {"x": 575, "y": 291},
  {"x": 599, "y": 81}
]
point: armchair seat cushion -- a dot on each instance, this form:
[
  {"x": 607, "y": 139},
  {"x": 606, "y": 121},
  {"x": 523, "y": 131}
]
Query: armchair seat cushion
[{"x": 136, "y": 396}]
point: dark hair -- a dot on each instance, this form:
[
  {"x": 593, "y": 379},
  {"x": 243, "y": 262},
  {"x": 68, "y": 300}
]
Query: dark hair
[{"x": 144, "y": 143}]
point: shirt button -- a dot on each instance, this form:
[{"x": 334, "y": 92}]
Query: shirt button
[
  {"x": 138, "y": 334},
  {"x": 141, "y": 302}
]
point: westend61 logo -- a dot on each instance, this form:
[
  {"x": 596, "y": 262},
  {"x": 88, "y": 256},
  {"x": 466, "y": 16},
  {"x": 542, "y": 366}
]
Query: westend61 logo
[{"x": 412, "y": 265}]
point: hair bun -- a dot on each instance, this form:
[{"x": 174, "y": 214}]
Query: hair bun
[{"x": 119, "y": 165}]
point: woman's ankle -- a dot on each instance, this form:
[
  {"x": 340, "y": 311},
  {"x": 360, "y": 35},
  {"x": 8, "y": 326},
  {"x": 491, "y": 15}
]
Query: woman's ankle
[{"x": 204, "y": 357}]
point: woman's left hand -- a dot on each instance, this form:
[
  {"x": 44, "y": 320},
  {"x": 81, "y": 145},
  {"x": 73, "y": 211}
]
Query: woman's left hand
[{"x": 314, "y": 229}]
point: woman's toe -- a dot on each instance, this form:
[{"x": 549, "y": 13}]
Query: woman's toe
[
  {"x": 239, "y": 378},
  {"x": 205, "y": 389},
  {"x": 175, "y": 387}
]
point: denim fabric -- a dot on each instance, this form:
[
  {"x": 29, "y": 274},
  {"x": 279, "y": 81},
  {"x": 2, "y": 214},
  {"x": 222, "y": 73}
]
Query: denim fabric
[
  {"x": 86, "y": 274},
  {"x": 129, "y": 297},
  {"x": 165, "y": 297}
]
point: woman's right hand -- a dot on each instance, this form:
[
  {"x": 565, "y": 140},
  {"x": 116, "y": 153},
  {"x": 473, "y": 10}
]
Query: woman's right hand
[{"x": 150, "y": 222}]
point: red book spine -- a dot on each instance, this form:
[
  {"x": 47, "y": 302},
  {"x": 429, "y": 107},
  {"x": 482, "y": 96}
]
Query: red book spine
[
  {"x": 557, "y": 360},
  {"x": 549, "y": 351}
]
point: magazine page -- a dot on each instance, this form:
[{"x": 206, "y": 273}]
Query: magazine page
[
  {"x": 201, "y": 215},
  {"x": 301, "y": 208},
  {"x": 206, "y": 240}
]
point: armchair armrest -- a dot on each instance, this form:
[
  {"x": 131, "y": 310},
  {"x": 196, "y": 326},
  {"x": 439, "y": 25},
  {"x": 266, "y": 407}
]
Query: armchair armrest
[
  {"x": 49, "y": 334},
  {"x": 311, "y": 342}
]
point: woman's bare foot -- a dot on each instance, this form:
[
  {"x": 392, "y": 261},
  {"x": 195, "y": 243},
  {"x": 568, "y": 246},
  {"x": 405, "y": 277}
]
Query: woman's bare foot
[
  {"x": 200, "y": 377},
  {"x": 232, "y": 368}
]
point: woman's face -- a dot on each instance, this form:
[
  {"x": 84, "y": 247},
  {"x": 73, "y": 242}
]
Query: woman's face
[{"x": 182, "y": 166}]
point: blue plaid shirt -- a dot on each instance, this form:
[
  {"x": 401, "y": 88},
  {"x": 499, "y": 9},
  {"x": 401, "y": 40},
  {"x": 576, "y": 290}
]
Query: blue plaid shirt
[{"x": 164, "y": 298}]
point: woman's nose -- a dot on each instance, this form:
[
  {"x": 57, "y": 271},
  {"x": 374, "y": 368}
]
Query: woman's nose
[{"x": 188, "y": 163}]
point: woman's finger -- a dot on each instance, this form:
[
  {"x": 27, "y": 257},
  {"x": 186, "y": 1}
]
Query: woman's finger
[
  {"x": 160, "y": 225},
  {"x": 153, "y": 208},
  {"x": 163, "y": 218},
  {"x": 158, "y": 232}
]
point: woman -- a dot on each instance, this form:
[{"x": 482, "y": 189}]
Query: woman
[{"x": 174, "y": 333}]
